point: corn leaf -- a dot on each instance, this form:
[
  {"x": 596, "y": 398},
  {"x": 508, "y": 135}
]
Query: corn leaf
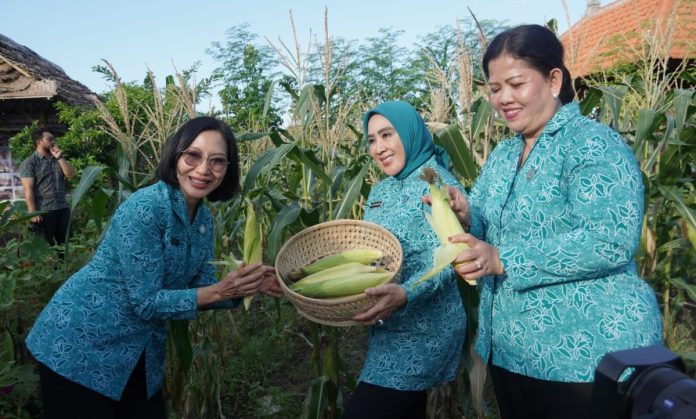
[
  {"x": 182, "y": 343},
  {"x": 452, "y": 140},
  {"x": 285, "y": 217},
  {"x": 266, "y": 162},
  {"x": 352, "y": 193},
  {"x": 89, "y": 176},
  {"x": 253, "y": 243},
  {"x": 316, "y": 400}
]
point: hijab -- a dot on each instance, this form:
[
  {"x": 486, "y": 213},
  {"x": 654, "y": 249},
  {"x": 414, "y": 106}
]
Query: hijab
[{"x": 415, "y": 137}]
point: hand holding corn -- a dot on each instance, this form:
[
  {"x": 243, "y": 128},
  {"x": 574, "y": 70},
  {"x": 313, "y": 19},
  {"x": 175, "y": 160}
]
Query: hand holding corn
[
  {"x": 479, "y": 260},
  {"x": 390, "y": 297},
  {"x": 237, "y": 283},
  {"x": 444, "y": 223}
]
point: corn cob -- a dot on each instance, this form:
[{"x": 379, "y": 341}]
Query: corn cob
[
  {"x": 445, "y": 224},
  {"x": 253, "y": 240},
  {"x": 345, "y": 285},
  {"x": 364, "y": 256},
  {"x": 343, "y": 270}
]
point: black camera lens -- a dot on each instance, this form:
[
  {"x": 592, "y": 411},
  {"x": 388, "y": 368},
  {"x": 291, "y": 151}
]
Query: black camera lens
[
  {"x": 643, "y": 383},
  {"x": 663, "y": 389}
]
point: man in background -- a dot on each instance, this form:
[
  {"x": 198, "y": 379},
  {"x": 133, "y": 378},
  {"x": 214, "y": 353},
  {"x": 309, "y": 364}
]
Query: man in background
[{"x": 43, "y": 179}]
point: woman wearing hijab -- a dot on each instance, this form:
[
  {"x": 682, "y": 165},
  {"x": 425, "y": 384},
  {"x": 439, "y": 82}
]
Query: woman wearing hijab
[{"x": 416, "y": 333}]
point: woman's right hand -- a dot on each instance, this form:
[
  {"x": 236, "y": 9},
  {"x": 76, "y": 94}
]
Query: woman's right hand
[
  {"x": 238, "y": 283},
  {"x": 244, "y": 281}
]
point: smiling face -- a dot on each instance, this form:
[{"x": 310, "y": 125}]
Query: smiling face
[
  {"x": 385, "y": 145},
  {"x": 196, "y": 182},
  {"x": 524, "y": 97}
]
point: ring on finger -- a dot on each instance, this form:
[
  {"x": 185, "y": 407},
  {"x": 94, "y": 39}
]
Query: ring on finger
[
  {"x": 379, "y": 322},
  {"x": 478, "y": 265}
]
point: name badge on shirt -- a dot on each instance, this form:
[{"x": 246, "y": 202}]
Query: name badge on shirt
[{"x": 376, "y": 204}]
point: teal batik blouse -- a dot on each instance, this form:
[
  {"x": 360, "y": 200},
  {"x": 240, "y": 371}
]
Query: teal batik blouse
[
  {"x": 145, "y": 272},
  {"x": 419, "y": 345},
  {"x": 567, "y": 224}
]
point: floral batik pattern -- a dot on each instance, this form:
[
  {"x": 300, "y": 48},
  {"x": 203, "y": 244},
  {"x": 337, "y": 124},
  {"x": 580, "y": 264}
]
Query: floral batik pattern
[
  {"x": 567, "y": 225},
  {"x": 145, "y": 272},
  {"x": 419, "y": 345}
]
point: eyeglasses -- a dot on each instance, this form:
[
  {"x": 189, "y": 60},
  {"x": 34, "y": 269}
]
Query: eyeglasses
[{"x": 194, "y": 158}]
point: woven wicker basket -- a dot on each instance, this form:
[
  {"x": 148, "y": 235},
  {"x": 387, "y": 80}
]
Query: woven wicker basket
[{"x": 326, "y": 239}]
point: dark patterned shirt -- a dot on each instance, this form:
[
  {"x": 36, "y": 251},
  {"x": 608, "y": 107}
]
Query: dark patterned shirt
[{"x": 49, "y": 181}]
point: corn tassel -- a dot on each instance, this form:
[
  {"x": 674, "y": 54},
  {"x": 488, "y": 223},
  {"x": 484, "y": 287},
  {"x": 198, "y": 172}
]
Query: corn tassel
[
  {"x": 445, "y": 224},
  {"x": 364, "y": 256},
  {"x": 253, "y": 241},
  {"x": 346, "y": 285},
  {"x": 350, "y": 268}
]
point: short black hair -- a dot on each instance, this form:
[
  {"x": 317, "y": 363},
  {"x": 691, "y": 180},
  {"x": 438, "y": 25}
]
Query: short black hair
[
  {"x": 182, "y": 139},
  {"x": 38, "y": 133},
  {"x": 538, "y": 46}
]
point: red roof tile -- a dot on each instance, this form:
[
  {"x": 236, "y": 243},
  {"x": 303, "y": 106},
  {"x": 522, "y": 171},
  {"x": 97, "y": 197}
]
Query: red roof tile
[{"x": 614, "y": 33}]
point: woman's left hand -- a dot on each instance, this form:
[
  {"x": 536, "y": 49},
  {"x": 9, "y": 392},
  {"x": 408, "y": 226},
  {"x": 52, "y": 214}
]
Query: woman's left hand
[
  {"x": 479, "y": 260},
  {"x": 269, "y": 283},
  {"x": 390, "y": 297}
]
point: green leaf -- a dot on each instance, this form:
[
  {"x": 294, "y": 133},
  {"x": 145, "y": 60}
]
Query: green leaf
[
  {"x": 89, "y": 176},
  {"x": 613, "y": 97},
  {"x": 316, "y": 401},
  {"x": 669, "y": 126},
  {"x": 645, "y": 127},
  {"x": 182, "y": 342},
  {"x": 479, "y": 119},
  {"x": 681, "y": 284},
  {"x": 681, "y": 102},
  {"x": 251, "y": 136},
  {"x": 336, "y": 178},
  {"x": 673, "y": 194},
  {"x": 266, "y": 162},
  {"x": 352, "y": 193},
  {"x": 308, "y": 160},
  {"x": 285, "y": 217},
  {"x": 452, "y": 140},
  {"x": 6, "y": 347},
  {"x": 590, "y": 102}
]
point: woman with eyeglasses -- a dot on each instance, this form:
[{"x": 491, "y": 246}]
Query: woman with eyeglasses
[{"x": 100, "y": 341}]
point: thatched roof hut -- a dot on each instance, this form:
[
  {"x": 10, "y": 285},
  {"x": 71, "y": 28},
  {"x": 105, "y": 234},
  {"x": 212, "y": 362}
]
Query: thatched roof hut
[
  {"x": 29, "y": 87},
  {"x": 24, "y": 74}
]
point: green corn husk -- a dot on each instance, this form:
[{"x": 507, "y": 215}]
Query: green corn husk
[
  {"x": 364, "y": 256},
  {"x": 445, "y": 224},
  {"x": 345, "y": 286},
  {"x": 350, "y": 268},
  {"x": 253, "y": 243}
]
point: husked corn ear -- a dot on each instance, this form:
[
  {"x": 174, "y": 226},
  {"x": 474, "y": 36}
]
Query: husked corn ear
[
  {"x": 364, "y": 256},
  {"x": 344, "y": 286},
  {"x": 253, "y": 243},
  {"x": 346, "y": 269},
  {"x": 445, "y": 224}
]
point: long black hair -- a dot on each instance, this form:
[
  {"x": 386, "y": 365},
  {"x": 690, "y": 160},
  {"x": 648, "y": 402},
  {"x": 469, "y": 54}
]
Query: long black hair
[
  {"x": 182, "y": 139},
  {"x": 538, "y": 47}
]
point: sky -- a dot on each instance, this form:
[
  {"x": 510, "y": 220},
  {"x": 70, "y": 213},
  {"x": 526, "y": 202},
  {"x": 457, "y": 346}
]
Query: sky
[{"x": 135, "y": 35}]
